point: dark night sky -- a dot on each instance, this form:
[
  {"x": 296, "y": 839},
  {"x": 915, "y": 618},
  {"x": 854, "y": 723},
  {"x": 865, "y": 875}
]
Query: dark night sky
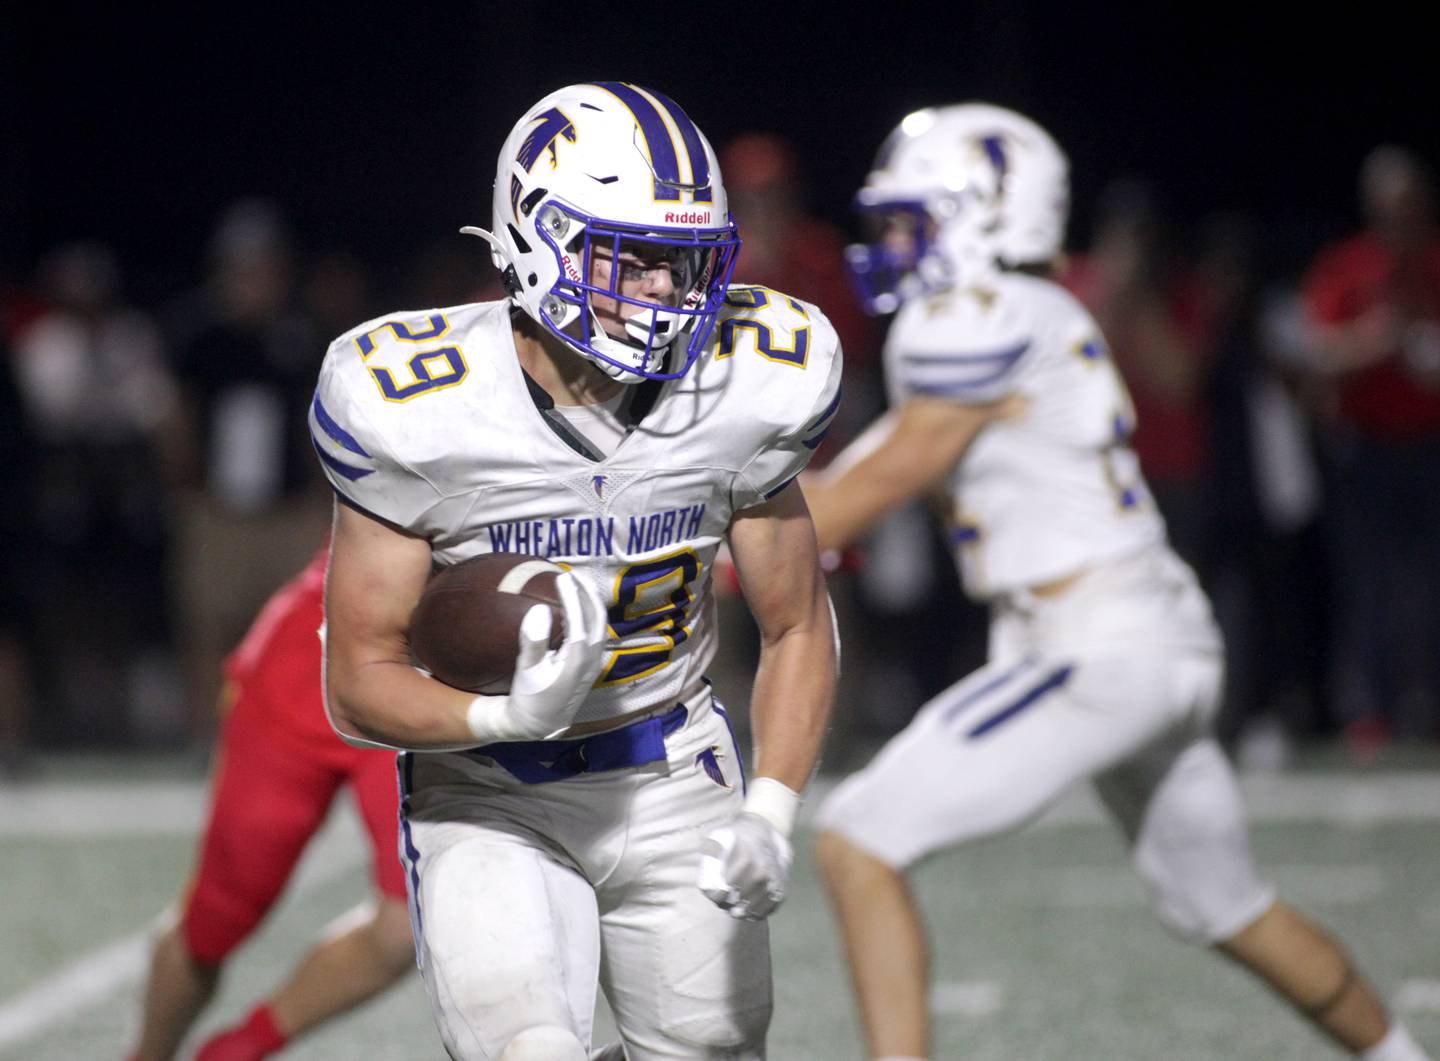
[{"x": 378, "y": 131}]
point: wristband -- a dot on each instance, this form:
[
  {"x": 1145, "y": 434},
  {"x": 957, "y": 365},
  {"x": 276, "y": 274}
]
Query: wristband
[
  {"x": 488, "y": 721},
  {"x": 773, "y": 801}
]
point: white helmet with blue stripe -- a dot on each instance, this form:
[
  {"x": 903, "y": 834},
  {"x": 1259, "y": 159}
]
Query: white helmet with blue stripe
[
  {"x": 615, "y": 173},
  {"x": 983, "y": 186}
]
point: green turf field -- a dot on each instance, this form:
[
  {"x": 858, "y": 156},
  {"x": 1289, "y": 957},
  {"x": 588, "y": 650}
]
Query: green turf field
[{"x": 1045, "y": 947}]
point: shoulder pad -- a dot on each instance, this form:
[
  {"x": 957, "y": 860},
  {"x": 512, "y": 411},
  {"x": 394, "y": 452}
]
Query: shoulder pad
[
  {"x": 967, "y": 345},
  {"x": 368, "y": 373},
  {"x": 788, "y": 366}
]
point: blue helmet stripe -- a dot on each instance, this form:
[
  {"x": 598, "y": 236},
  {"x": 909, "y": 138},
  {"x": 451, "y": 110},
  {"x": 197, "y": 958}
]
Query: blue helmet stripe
[
  {"x": 995, "y": 149},
  {"x": 699, "y": 164},
  {"x": 658, "y": 143}
]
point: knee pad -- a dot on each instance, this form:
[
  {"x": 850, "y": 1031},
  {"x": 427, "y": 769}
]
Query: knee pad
[
  {"x": 1202, "y": 883},
  {"x": 738, "y": 1035},
  {"x": 1197, "y": 911},
  {"x": 545, "y": 1042}
]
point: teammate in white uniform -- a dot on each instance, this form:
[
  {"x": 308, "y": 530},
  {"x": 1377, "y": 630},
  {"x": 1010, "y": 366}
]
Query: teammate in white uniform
[
  {"x": 1104, "y": 660},
  {"x": 622, "y": 414}
]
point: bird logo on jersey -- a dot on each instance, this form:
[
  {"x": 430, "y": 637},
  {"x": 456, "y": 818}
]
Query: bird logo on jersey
[{"x": 709, "y": 761}]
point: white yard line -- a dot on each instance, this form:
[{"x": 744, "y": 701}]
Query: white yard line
[
  {"x": 76, "y": 809},
  {"x": 1328, "y": 885},
  {"x": 1347, "y": 798},
  {"x": 97, "y": 976},
  {"x": 1092, "y": 887},
  {"x": 966, "y": 998},
  {"x": 88, "y": 982},
  {"x": 980, "y": 998},
  {"x": 1116, "y": 886},
  {"x": 1419, "y": 996}
]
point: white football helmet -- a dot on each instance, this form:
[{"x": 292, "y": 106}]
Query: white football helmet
[
  {"x": 979, "y": 185},
  {"x": 618, "y": 169}
]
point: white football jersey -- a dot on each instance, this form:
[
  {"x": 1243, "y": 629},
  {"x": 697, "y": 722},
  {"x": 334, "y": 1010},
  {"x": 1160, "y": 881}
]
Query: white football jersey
[
  {"x": 1056, "y": 489},
  {"x": 425, "y": 421}
]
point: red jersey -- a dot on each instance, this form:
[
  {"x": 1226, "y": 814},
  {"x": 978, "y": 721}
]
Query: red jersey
[
  {"x": 277, "y": 663},
  {"x": 278, "y": 768},
  {"x": 1172, "y": 434}
]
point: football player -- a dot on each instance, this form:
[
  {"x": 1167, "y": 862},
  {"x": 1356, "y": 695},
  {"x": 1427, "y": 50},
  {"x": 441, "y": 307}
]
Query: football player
[
  {"x": 277, "y": 768},
  {"x": 1104, "y": 662},
  {"x": 621, "y": 413}
]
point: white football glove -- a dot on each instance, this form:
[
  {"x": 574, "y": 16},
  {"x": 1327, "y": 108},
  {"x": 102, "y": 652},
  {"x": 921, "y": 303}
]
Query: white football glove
[
  {"x": 745, "y": 863},
  {"x": 549, "y": 685}
]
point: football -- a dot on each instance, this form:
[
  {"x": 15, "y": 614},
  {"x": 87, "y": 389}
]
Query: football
[{"x": 465, "y": 629}]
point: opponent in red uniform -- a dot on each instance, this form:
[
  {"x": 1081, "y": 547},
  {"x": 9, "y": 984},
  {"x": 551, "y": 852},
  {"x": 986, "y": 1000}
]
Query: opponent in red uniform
[{"x": 276, "y": 770}]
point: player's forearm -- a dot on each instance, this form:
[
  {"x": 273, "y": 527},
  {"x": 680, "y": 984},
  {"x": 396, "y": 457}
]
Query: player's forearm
[
  {"x": 845, "y": 508},
  {"x": 390, "y": 703},
  {"x": 792, "y": 698},
  {"x": 899, "y": 458},
  {"x": 842, "y": 497}
]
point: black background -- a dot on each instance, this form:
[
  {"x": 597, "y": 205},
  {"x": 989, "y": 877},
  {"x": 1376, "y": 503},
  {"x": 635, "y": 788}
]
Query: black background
[{"x": 376, "y": 126}]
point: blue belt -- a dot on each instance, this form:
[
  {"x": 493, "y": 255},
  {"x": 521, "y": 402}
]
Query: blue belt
[{"x": 537, "y": 761}]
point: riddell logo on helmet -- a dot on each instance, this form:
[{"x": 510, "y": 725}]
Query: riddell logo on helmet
[
  {"x": 688, "y": 217},
  {"x": 570, "y": 270}
]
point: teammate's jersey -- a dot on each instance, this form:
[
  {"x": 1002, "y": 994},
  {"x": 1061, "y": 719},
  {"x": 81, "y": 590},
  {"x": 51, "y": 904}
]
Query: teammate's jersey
[
  {"x": 424, "y": 420},
  {"x": 1056, "y": 489}
]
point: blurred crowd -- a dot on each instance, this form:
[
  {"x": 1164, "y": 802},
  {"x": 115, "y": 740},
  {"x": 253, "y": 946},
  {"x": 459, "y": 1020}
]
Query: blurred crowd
[
  {"x": 1290, "y": 429},
  {"x": 161, "y": 483}
]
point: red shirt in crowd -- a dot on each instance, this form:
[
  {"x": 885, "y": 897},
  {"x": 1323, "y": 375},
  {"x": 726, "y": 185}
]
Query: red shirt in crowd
[
  {"x": 1172, "y": 433},
  {"x": 1387, "y": 400}
]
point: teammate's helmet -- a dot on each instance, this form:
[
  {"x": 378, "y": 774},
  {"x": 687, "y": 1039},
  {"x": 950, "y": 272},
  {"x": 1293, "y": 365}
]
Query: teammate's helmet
[
  {"x": 616, "y": 170},
  {"x": 980, "y": 185}
]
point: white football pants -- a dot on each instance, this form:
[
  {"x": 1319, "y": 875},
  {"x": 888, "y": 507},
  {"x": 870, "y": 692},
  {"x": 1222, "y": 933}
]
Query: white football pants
[
  {"x": 524, "y": 896},
  {"x": 1116, "y": 680}
]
